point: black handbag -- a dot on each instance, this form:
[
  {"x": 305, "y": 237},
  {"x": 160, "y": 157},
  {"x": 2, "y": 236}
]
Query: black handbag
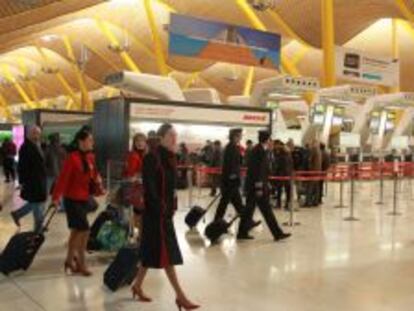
[{"x": 92, "y": 205}]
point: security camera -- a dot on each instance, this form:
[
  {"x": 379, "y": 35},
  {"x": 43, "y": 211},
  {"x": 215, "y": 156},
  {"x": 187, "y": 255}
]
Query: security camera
[{"x": 262, "y": 5}]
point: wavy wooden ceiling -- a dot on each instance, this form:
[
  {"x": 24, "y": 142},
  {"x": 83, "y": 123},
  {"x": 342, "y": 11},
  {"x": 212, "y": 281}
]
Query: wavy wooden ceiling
[{"x": 25, "y": 23}]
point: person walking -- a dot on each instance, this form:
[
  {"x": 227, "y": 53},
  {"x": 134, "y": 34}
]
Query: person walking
[
  {"x": 216, "y": 162},
  {"x": 77, "y": 183},
  {"x": 231, "y": 176},
  {"x": 258, "y": 191},
  {"x": 159, "y": 244},
  {"x": 32, "y": 178}
]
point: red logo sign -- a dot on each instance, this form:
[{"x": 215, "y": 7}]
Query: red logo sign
[{"x": 254, "y": 117}]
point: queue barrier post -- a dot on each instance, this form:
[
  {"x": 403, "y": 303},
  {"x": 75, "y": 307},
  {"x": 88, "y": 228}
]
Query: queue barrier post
[
  {"x": 351, "y": 216},
  {"x": 395, "y": 211},
  {"x": 291, "y": 222},
  {"x": 381, "y": 184},
  {"x": 190, "y": 173},
  {"x": 341, "y": 190}
]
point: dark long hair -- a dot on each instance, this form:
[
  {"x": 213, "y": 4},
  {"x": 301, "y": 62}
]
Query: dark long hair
[{"x": 81, "y": 135}]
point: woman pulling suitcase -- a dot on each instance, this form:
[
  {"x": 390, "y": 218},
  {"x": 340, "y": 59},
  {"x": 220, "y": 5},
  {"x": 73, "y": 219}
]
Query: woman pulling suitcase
[
  {"x": 159, "y": 245},
  {"x": 78, "y": 182}
]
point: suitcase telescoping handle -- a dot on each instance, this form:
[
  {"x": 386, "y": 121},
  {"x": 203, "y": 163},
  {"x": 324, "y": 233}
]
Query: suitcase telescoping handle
[
  {"x": 210, "y": 205},
  {"x": 212, "y": 202},
  {"x": 50, "y": 213}
]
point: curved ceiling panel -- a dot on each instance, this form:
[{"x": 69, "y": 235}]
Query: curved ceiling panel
[{"x": 49, "y": 21}]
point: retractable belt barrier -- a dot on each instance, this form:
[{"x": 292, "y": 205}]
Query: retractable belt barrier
[{"x": 340, "y": 172}]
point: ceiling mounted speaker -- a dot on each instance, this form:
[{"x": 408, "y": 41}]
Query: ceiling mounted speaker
[{"x": 263, "y": 5}]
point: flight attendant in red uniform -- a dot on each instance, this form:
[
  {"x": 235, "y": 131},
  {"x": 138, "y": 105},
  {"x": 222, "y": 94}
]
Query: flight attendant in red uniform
[
  {"x": 159, "y": 244},
  {"x": 77, "y": 183}
]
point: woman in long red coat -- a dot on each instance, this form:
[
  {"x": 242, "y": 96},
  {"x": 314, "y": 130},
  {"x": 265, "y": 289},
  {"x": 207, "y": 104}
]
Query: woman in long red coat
[{"x": 159, "y": 244}]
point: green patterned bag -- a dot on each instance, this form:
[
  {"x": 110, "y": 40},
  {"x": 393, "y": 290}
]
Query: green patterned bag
[{"x": 112, "y": 237}]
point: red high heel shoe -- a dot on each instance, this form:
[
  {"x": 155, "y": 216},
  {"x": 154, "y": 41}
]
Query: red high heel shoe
[
  {"x": 137, "y": 294},
  {"x": 84, "y": 272},
  {"x": 81, "y": 270},
  {"x": 185, "y": 305}
]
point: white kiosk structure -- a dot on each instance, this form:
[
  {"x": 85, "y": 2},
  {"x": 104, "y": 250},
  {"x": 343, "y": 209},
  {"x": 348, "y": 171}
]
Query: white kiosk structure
[
  {"x": 285, "y": 95},
  {"x": 202, "y": 95},
  {"x": 146, "y": 85},
  {"x": 340, "y": 107},
  {"x": 378, "y": 119}
]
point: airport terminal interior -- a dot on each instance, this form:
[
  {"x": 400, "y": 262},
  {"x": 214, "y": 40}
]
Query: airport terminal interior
[{"x": 248, "y": 154}]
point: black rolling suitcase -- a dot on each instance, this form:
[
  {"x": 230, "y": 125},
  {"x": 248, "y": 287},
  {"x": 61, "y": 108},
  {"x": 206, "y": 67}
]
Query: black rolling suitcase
[
  {"x": 218, "y": 228},
  {"x": 23, "y": 247},
  {"x": 123, "y": 269},
  {"x": 197, "y": 213}
]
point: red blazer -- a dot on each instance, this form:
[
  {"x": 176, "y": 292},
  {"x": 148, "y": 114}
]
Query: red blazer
[
  {"x": 73, "y": 183},
  {"x": 133, "y": 164}
]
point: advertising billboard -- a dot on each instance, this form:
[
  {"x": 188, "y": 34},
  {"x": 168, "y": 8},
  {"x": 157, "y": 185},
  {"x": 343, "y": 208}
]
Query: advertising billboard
[
  {"x": 357, "y": 66},
  {"x": 198, "y": 38}
]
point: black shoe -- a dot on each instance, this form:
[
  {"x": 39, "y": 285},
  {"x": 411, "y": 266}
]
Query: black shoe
[
  {"x": 244, "y": 237},
  {"x": 282, "y": 236},
  {"x": 254, "y": 224},
  {"x": 15, "y": 219}
]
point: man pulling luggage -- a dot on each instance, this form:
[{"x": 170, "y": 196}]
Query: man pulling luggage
[{"x": 258, "y": 191}]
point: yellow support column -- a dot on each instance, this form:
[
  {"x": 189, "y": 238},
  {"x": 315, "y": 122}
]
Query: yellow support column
[
  {"x": 395, "y": 45},
  {"x": 126, "y": 58},
  {"x": 32, "y": 89},
  {"x": 6, "y": 110},
  {"x": 190, "y": 80},
  {"x": 59, "y": 76},
  {"x": 405, "y": 10},
  {"x": 156, "y": 38},
  {"x": 248, "y": 84},
  {"x": 26, "y": 98},
  {"x": 245, "y": 7},
  {"x": 328, "y": 42},
  {"x": 85, "y": 98}
]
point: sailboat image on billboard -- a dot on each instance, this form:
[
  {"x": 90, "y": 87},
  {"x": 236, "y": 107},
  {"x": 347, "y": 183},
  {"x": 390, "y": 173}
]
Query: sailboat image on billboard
[{"x": 193, "y": 37}]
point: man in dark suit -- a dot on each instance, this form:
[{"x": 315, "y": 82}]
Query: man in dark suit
[
  {"x": 258, "y": 191},
  {"x": 230, "y": 175},
  {"x": 231, "y": 179},
  {"x": 32, "y": 178}
]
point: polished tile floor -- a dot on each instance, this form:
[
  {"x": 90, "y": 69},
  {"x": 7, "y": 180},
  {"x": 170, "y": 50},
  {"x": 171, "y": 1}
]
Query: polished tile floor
[{"x": 329, "y": 264}]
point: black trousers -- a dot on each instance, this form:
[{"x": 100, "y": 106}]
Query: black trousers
[
  {"x": 9, "y": 168},
  {"x": 229, "y": 195},
  {"x": 312, "y": 193},
  {"x": 215, "y": 181},
  {"x": 321, "y": 190},
  {"x": 266, "y": 210},
  {"x": 282, "y": 186}
]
